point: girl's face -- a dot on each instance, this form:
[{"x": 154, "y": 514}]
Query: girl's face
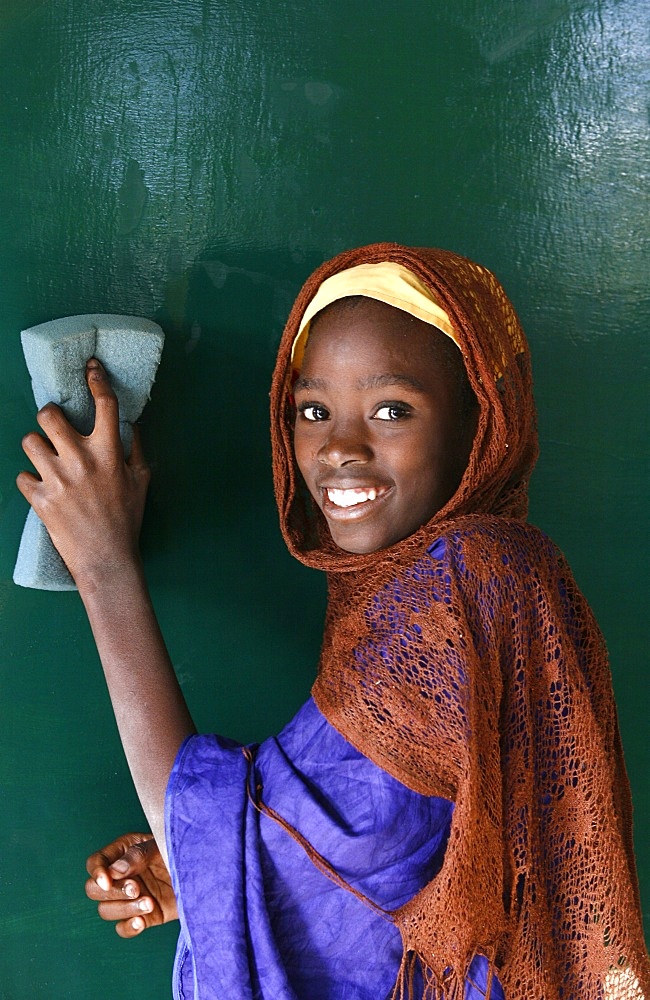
[{"x": 383, "y": 427}]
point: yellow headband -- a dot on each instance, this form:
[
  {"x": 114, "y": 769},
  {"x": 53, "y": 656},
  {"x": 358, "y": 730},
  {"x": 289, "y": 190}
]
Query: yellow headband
[{"x": 388, "y": 282}]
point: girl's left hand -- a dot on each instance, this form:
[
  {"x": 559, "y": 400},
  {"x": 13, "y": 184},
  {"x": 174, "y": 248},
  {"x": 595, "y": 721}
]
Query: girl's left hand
[
  {"x": 90, "y": 499},
  {"x": 130, "y": 881}
]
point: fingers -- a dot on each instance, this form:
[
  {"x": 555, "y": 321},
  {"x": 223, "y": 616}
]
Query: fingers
[
  {"x": 36, "y": 447},
  {"x": 98, "y": 380},
  {"x": 131, "y": 928},
  {"x": 135, "y": 859},
  {"x": 52, "y": 420},
  {"x": 124, "y": 904},
  {"x": 136, "y": 458},
  {"x": 125, "y": 856},
  {"x": 28, "y": 484},
  {"x": 40, "y": 453},
  {"x": 131, "y": 916},
  {"x": 60, "y": 437},
  {"x": 119, "y": 890},
  {"x": 126, "y": 909},
  {"x": 60, "y": 434},
  {"x": 107, "y": 421},
  {"x": 115, "y": 885},
  {"x": 131, "y": 884}
]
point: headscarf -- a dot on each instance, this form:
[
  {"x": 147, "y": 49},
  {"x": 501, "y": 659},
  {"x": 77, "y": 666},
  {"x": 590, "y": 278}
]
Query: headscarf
[
  {"x": 465, "y": 662},
  {"x": 387, "y": 282}
]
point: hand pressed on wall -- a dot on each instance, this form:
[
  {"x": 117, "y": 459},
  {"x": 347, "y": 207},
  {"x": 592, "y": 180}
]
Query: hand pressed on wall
[{"x": 90, "y": 499}]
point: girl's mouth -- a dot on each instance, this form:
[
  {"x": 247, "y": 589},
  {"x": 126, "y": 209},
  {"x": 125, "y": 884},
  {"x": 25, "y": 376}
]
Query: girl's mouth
[
  {"x": 342, "y": 503},
  {"x": 349, "y": 498}
]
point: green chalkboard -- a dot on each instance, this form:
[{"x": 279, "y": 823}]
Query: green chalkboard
[{"x": 192, "y": 161}]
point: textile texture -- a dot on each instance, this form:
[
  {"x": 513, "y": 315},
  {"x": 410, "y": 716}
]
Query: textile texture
[
  {"x": 258, "y": 919},
  {"x": 482, "y": 676}
]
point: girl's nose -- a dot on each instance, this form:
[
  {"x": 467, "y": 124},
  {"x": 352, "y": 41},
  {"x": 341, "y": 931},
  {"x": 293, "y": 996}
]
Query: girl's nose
[{"x": 344, "y": 445}]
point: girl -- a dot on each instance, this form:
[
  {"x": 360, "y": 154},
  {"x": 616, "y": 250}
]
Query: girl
[{"x": 448, "y": 815}]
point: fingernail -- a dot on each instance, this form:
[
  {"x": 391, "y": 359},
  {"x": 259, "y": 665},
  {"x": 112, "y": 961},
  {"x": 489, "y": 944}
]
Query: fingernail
[
  {"x": 137, "y": 923},
  {"x": 103, "y": 882},
  {"x": 121, "y": 866},
  {"x": 144, "y": 905},
  {"x": 130, "y": 890}
]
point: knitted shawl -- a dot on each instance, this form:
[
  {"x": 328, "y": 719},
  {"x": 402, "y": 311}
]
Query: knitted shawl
[{"x": 465, "y": 662}]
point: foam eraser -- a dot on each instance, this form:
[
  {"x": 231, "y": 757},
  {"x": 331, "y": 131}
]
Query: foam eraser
[{"x": 129, "y": 347}]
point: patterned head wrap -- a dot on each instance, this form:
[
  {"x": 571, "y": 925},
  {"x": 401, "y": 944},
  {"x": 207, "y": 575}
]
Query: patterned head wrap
[
  {"x": 387, "y": 282},
  {"x": 505, "y": 447}
]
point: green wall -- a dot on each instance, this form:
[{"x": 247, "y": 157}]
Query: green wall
[{"x": 191, "y": 161}]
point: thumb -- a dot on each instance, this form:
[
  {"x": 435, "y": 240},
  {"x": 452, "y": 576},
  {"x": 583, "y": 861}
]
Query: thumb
[
  {"x": 135, "y": 859},
  {"x": 107, "y": 427}
]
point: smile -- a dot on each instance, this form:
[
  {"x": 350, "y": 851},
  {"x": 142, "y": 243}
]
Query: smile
[
  {"x": 347, "y": 498},
  {"x": 350, "y": 498}
]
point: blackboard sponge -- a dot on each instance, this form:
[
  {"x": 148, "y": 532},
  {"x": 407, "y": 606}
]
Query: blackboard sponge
[{"x": 56, "y": 353}]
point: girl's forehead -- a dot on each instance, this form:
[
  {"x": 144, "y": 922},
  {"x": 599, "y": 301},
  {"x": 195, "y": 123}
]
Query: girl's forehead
[
  {"x": 364, "y": 331},
  {"x": 387, "y": 283}
]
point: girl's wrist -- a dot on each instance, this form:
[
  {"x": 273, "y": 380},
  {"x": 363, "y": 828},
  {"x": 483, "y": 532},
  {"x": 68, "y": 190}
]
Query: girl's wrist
[{"x": 110, "y": 577}]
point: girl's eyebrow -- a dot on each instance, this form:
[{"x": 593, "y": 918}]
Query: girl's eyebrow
[
  {"x": 389, "y": 379},
  {"x": 309, "y": 383},
  {"x": 372, "y": 382}
]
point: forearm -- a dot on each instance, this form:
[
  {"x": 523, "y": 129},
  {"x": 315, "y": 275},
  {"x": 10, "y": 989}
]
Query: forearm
[
  {"x": 150, "y": 710},
  {"x": 91, "y": 501}
]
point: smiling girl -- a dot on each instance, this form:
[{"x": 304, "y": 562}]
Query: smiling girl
[
  {"x": 384, "y": 425},
  {"x": 448, "y": 815}
]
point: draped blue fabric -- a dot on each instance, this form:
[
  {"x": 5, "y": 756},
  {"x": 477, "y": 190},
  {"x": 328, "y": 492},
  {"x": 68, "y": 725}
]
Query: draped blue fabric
[{"x": 259, "y": 921}]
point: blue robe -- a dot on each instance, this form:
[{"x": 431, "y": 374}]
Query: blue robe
[{"x": 259, "y": 921}]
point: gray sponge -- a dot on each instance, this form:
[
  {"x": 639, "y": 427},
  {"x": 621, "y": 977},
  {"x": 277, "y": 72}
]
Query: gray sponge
[{"x": 56, "y": 353}]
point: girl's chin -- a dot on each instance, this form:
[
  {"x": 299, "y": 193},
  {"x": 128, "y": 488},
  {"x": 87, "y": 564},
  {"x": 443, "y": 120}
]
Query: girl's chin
[{"x": 358, "y": 542}]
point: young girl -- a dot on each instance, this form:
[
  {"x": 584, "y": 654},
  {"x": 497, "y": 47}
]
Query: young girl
[{"x": 448, "y": 815}]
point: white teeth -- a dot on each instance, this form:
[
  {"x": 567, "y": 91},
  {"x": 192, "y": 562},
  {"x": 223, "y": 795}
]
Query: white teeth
[{"x": 348, "y": 498}]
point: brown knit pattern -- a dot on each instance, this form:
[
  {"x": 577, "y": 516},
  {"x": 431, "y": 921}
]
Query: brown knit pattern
[{"x": 476, "y": 671}]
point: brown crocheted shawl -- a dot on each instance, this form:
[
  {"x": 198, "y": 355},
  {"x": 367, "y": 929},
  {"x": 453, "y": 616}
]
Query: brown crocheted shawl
[{"x": 466, "y": 663}]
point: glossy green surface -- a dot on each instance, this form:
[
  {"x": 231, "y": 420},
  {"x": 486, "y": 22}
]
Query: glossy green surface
[{"x": 191, "y": 161}]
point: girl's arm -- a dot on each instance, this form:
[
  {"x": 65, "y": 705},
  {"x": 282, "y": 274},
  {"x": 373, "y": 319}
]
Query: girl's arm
[{"x": 91, "y": 501}]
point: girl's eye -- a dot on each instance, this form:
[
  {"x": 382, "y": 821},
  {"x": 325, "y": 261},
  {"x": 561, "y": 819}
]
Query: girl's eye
[
  {"x": 313, "y": 411},
  {"x": 392, "y": 411}
]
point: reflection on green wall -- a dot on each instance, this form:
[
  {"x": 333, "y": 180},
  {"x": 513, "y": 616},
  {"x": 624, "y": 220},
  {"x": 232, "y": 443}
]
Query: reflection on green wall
[{"x": 191, "y": 161}]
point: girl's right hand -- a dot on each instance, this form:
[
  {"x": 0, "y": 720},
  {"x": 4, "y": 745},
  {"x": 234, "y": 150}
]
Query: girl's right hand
[
  {"x": 130, "y": 881},
  {"x": 90, "y": 499}
]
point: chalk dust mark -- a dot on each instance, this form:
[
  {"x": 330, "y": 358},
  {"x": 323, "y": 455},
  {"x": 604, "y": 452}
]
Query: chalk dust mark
[{"x": 132, "y": 198}]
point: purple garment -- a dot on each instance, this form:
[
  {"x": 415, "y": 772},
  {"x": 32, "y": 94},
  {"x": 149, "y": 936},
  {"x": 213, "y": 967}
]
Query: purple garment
[{"x": 258, "y": 920}]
